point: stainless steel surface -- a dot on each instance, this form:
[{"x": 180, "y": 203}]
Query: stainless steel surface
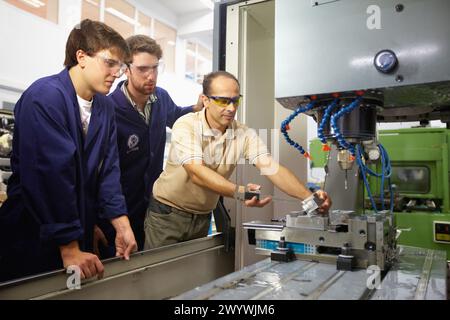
[
  {"x": 307, "y": 222},
  {"x": 154, "y": 274},
  {"x": 338, "y": 41},
  {"x": 419, "y": 274},
  {"x": 340, "y": 216},
  {"x": 303, "y": 280},
  {"x": 316, "y": 237},
  {"x": 274, "y": 226}
]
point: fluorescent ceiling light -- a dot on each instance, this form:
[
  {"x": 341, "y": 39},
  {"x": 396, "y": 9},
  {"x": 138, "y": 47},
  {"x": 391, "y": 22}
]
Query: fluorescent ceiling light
[
  {"x": 202, "y": 58},
  {"x": 122, "y": 16},
  {"x": 34, "y": 3},
  {"x": 190, "y": 52},
  {"x": 208, "y": 3},
  {"x": 92, "y": 2}
]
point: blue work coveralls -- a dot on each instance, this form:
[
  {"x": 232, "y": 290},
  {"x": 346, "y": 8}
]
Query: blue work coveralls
[
  {"x": 141, "y": 153},
  {"x": 62, "y": 182}
]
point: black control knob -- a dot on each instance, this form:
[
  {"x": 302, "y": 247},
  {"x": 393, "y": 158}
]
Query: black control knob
[{"x": 385, "y": 61}]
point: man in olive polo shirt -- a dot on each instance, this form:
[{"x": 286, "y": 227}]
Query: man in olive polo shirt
[{"x": 206, "y": 147}]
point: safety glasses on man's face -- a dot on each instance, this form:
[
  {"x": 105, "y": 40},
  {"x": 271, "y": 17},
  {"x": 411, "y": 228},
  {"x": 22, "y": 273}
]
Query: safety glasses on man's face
[
  {"x": 147, "y": 70},
  {"x": 115, "y": 66},
  {"x": 226, "y": 101}
]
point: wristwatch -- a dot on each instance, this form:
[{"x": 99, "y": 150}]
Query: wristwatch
[{"x": 239, "y": 192}]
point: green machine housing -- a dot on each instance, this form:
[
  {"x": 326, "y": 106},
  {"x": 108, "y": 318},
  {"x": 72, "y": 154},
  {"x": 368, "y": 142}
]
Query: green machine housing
[{"x": 420, "y": 176}]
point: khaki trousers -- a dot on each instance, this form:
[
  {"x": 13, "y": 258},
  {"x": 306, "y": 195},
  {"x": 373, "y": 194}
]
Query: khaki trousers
[{"x": 166, "y": 225}]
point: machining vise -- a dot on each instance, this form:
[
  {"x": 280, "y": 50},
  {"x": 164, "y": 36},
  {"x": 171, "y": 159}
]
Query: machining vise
[{"x": 343, "y": 237}]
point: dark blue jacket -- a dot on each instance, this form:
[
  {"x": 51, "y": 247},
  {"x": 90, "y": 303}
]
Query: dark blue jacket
[
  {"x": 141, "y": 151},
  {"x": 62, "y": 182}
]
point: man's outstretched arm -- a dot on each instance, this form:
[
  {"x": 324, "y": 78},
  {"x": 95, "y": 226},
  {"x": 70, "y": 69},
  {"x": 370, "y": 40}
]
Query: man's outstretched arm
[{"x": 287, "y": 182}]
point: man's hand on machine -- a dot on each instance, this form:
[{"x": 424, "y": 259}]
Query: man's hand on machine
[
  {"x": 316, "y": 203},
  {"x": 326, "y": 204}
]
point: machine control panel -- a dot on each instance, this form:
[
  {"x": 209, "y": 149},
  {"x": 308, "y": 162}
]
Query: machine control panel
[{"x": 441, "y": 231}]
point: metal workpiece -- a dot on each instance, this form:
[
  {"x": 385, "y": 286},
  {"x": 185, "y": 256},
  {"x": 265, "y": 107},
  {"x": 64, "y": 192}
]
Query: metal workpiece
[
  {"x": 307, "y": 280},
  {"x": 153, "y": 274},
  {"x": 311, "y": 204}
]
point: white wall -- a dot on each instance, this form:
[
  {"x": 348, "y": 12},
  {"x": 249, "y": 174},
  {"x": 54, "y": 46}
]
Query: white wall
[
  {"x": 157, "y": 11},
  {"x": 183, "y": 92},
  {"x": 196, "y": 23},
  {"x": 32, "y": 47}
]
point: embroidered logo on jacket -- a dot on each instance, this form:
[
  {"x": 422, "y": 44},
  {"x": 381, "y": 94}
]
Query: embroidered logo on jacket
[{"x": 133, "y": 141}]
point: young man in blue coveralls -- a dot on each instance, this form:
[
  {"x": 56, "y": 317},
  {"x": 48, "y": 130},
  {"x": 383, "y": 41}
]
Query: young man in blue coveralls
[
  {"x": 65, "y": 163},
  {"x": 143, "y": 111}
]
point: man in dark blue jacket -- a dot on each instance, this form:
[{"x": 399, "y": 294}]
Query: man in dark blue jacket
[
  {"x": 143, "y": 111},
  {"x": 65, "y": 163}
]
